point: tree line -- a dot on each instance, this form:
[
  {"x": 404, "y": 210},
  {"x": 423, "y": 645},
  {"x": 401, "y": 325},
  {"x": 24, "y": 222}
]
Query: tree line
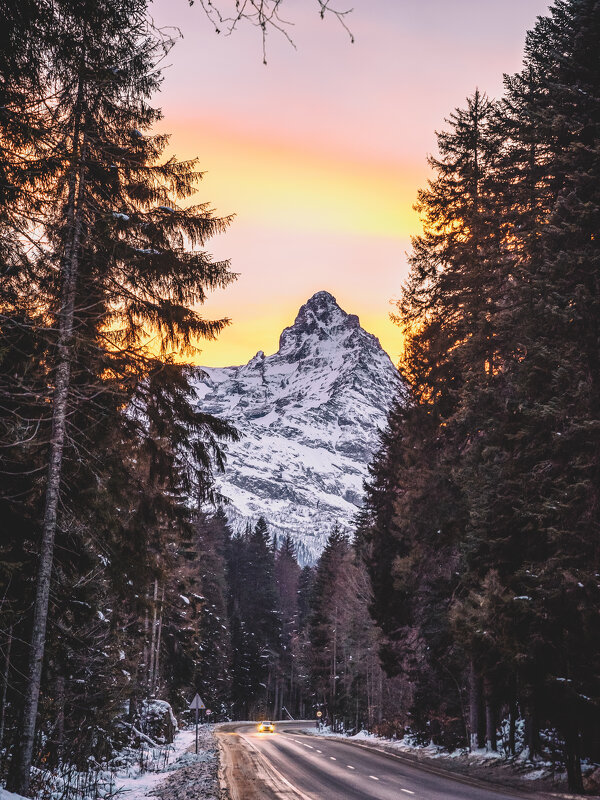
[
  {"x": 105, "y": 455},
  {"x": 231, "y": 615},
  {"x": 103, "y": 444},
  {"x": 299, "y": 639},
  {"x": 481, "y": 532},
  {"x": 470, "y": 592}
]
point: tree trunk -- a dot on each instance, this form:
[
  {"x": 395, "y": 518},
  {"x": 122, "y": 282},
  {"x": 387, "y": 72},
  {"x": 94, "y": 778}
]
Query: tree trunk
[
  {"x": 153, "y": 639},
  {"x": 474, "y": 706},
  {"x": 334, "y": 667},
  {"x": 70, "y": 268},
  {"x": 5, "y": 677},
  {"x": 481, "y": 726},
  {"x": 143, "y": 671},
  {"x": 156, "y": 675},
  {"x": 491, "y": 744},
  {"x": 59, "y": 730},
  {"x": 133, "y": 709},
  {"x": 369, "y": 699},
  {"x": 532, "y": 732},
  {"x": 573, "y": 759},
  {"x": 512, "y": 729}
]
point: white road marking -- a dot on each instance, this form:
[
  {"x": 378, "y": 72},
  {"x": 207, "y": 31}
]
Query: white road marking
[
  {"x": 319, "y": 751},
  {"x": 406, "y": 791},
  {"x": 373, "y": 778},
  {"x": 350, "y": 766},
  {"x": 310, "y": 747},
  {"x": 332, "y": 758}
]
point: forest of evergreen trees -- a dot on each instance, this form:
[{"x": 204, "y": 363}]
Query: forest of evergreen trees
[
  {"x": 482, "y": 528},
  {"x": 116, "y": 585},
  {"x": 102, "y": 445},
  {"x": 469, "y": 595}
]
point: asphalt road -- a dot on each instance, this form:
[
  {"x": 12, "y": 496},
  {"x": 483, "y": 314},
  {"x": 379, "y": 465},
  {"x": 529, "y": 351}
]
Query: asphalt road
[{"x": 292, "y": 765}]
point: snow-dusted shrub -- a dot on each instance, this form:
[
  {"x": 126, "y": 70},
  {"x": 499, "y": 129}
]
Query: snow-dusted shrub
[{"x": 158, "y": 721}]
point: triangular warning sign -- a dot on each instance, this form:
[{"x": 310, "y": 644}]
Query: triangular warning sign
[{"x": 197, "y": 703}]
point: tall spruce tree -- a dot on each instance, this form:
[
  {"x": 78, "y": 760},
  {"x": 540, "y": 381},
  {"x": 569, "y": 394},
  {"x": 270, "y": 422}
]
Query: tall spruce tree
[
  {"x": 489, "y": 470},
  {"x": 328, "y": 606},
  {"x": 125, "y": 256},
  {"x": 417, "y": 500},
  {"x": 287, "y": 581},
  {"x": 556, "y": 375},
  {"x": 213, "y": 671},
  {"x": 255, "y": 621}
]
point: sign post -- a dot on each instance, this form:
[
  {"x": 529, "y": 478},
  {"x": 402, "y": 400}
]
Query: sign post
[{"x": 196, "y": 705}]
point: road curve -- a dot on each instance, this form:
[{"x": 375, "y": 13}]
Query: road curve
[{"x": 290, "y": 765}]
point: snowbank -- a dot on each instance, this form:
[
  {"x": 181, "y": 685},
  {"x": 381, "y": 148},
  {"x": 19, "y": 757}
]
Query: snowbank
[
  {"x": 475, "y": 759},
  {"x": 169, "y": 764},
  {"x": 4, "y": 795},
  {"x": 134, "y": 785},
  {"x": 190, "y": 775}
]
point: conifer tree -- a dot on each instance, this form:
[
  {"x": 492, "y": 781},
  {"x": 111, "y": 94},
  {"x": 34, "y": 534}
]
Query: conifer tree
[
  {"x": 287, "y": 580},
  {"x": 212, "y": 675},
  {"x": 556, "y": 374},
  {"x": 342, "y": 654},
  {"x": 255, "y": 620},
  {"x": 261, "y": 611},
  {"x": 127, "y": 256},
  {"x": 417, "y": 499},
  {"x": 328, "y": 605},
  {"x": 489, "y": 468}
]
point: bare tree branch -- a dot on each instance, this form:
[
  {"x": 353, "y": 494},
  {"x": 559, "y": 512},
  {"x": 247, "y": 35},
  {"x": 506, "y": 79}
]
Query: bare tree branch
[{"x": 265, "y": 15}]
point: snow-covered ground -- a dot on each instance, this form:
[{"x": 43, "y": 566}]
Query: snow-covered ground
[
  {"x": 132, "y": 785},
  {"x": 407, "y": 745},
  {"x": 176, "y": 773},
  {"x": 4, "y": 795}
]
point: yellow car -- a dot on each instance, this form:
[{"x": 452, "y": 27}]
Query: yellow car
[{"x": 266, "y": 727}]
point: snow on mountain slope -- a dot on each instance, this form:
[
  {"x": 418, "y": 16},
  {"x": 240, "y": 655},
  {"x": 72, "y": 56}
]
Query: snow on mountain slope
[{"x": 309, "y": 416}]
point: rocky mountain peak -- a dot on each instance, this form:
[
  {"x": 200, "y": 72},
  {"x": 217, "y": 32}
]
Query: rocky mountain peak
[
  {"x": 310, "y": 417},
  {"x": 319, "y": 319}
]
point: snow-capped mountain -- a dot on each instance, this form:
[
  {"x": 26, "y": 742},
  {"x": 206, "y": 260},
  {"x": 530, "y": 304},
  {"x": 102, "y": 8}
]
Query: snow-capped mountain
[{"x": 309, "y": 417}]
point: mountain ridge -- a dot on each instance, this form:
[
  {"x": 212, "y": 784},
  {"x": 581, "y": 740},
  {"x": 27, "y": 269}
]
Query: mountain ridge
[{"x": 309, "y": 416}]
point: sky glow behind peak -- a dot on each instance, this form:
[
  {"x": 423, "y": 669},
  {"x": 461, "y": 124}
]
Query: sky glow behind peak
[{"x": 320, "y": 154}]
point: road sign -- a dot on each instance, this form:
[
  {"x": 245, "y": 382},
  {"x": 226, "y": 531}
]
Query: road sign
[
  {"x": 197, "y": 704},
  {"x": 208, "y": 711},
  {"x": 319, "y": 713}
]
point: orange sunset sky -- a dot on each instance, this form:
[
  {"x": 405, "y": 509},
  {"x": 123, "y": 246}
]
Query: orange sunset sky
[{"x": 320, "y": 153}]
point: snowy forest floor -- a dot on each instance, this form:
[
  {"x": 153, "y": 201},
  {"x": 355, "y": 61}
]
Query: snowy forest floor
[
  {"x": 176, "y": 772},
  {"x": 189, "y": 775},
  {"x": 535, "y": 778}
]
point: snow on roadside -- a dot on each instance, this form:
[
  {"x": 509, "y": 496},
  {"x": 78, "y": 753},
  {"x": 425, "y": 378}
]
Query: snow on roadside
[
  {"x": 479, "y": 758},
  {"x": 4, "y": 795},
  {"x": 193, "y": 776},
  {"x": 406, "y": 745},
  {"x": 135, "y": 787},
  {"x": 183, "y": 774}
]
